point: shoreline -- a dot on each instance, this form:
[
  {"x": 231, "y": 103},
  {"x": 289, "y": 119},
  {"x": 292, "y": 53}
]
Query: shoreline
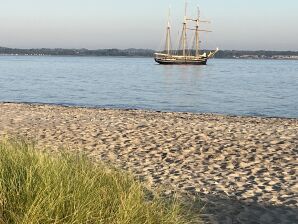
[
  {"x": 119, "y": 56},
  {"x": 69, "y": 105},
  {"x": 243, "y": 167}
]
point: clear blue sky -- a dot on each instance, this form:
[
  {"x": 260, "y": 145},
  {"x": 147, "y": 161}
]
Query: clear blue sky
[{"x": 95, "y": 24}]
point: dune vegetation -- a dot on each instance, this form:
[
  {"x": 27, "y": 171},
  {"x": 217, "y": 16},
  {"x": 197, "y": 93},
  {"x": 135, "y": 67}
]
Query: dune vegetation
[{"x": 37, "y": 187}]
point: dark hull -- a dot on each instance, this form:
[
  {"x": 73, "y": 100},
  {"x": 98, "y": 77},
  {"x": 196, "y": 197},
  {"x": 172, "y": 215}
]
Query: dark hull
[{"x": 182, "y": 62}]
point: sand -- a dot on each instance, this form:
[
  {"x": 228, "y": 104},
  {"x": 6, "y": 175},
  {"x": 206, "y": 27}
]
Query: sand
[{"x": 244, "y": 169}]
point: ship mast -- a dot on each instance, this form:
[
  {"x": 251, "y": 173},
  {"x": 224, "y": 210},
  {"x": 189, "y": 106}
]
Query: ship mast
[
  {"x": 184, "y": 35},
  {"x": 197, "y": 34},
  {"x": 168, "y": 38}
]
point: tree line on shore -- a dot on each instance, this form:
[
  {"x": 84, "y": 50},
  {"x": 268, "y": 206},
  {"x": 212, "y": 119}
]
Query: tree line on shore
[
  {"x": 77, "y": 52},
  {"x": 132, "y": 52}
]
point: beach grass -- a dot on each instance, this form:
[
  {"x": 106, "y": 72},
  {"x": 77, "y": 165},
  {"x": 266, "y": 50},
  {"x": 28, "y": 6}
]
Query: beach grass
[{"x": 37, "y": 187}]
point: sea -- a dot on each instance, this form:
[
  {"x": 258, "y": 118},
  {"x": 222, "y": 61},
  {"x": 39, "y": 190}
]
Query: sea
[{"x": 246, "y": 87}]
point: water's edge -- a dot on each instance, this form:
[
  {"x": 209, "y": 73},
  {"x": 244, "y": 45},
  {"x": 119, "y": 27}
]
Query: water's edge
[{"x": 96, "y": 107}]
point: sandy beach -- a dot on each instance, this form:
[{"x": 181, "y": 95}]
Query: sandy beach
[{"x": 243, "y": 168}]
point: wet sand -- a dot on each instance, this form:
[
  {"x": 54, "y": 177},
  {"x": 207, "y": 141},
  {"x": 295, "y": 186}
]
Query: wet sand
[{"x": 243, "y": 168}]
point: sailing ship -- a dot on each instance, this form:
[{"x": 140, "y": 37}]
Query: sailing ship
[{"x": 185, "y": 55}]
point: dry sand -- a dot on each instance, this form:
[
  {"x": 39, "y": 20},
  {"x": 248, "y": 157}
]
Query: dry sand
[{"x": 245, "y": 168}]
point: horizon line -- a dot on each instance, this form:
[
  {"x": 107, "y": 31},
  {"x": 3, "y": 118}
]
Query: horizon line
[{"x": 132, "y": 48}]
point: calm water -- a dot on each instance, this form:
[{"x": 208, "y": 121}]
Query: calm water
[{"x": 238, "y": 87}]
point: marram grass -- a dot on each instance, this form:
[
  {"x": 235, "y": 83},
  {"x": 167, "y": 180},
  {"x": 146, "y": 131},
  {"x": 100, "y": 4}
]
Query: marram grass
[{"x": 36, "y": 187}]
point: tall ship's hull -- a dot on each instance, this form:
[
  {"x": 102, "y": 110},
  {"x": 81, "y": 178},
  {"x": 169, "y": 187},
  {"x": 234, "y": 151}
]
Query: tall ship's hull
[
  {"x": 184, "y": 55},
  {"x": 202, "y": 61}
]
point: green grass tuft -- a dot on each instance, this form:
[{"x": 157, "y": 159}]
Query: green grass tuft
[{"x": 36, "y": 187}]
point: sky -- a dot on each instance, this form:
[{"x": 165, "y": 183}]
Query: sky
[{"x": 97, "y": 24}]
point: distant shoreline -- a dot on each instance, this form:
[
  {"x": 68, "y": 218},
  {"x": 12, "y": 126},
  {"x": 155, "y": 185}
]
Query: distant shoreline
[
  {"x": 117, "y": 56},
  {"x": 131, "y": 52},
  {"x": 86, "y": 56}
]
